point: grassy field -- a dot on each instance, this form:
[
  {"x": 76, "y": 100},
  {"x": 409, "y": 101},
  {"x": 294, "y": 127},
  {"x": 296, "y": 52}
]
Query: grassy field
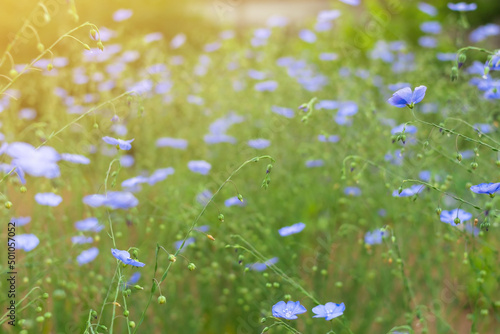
[{"x": 163, "y": 173}]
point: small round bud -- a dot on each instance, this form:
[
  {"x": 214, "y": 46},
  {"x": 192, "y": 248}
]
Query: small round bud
[
  {"x": 210, "y": 237},
  {"x": 40, "y": 319},
  {"x": 94, "y": 314},
  {"x": 39, "y": 309},
  {"x": 8, "y": 204},
  {"x": 456, "y": 220},
  {"x": 162, "y": 300},
  {"x": 172, "y": 258},
  {"x": 191, "y": 266},
  {"x": 23, "y": 189},
  {"x": 126, "y": 313},
  {"x": 47, "y": 315},
  {"x": 265, "y": 329},
  {"x": 221, "y": 217},
  {"x": 131, "y": 324},
  {"x": 45, "y": 295},
  {"x": 473, "y": 165},
  {"x": 93, "y": 33},
  {"x": 86, "y": 46},
  {"x": 240, "y": 197},
  {"x": 96, "y": 126},
  {"x": 13, "y": 73},
  {"x": 497, "y": 163},
  {"x": 459, "y": 157},
  {"x": 40, "y": 47},
  {"x": 138, "y": 287},
  {"x": 100, "y": 46}
]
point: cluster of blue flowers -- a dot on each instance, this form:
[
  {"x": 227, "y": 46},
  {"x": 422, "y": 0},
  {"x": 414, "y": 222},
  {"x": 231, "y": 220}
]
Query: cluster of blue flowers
[{"x": 290, "y": 310}]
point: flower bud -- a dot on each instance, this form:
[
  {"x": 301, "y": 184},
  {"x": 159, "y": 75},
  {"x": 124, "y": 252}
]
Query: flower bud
[
  {"x": 126, "y": 313},
  {"x": 459, "y": 157},
  {"x": 473, "y": 165},
  {"x": 438, "y": 211},
  {"x": 454, "y": 73},
  {"x": 210, "y": 237},
  {"x": 86, "y": 46},
  {"x": 8, "y": 204},
  {"x": 40, "y": 319},
  {"x": 162, "y": 300},
  {"x": 172, "y": 258},
  {"x": 93, "y": 33},
  {"x": 131, "y": 324},
  {"x": 240, "y": 197},
  {"x": 100, "y": 46},
  {"x": 50, "y": 66},
  {"x": 40, "y": 47},
  {"x": 461, "y": 60},
  {"x": 456, "y": 220},
  {"x": 13, "y": 73},
  {"x": 138, "y": 287},
  {"x": 221, "y": 217},
  {"x": 191, "y": 266}
]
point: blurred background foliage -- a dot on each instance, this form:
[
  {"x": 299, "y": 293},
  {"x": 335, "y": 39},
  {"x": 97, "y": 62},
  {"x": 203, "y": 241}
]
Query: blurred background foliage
[{"x": 202, "y": 19}]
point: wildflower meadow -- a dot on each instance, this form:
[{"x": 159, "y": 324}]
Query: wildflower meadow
[{"x": 185, "y": 167}]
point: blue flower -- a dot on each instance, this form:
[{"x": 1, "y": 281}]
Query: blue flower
[
  {"x": 258, "y": 266},
  {"x": 89, "y": 224},
  {"x": 120, "y": 200},
  {"x": 405, "y": 98},
  {"x": 329, "y": 311},
  {"x": 188, "y": 242},
  {"x": 259, "y": 144},
  {"x": 351, "y": 2},
  {"x": 413, "y": 190},
  {"x": 27, "y": 242},
  {"x": 486, "y": 188},
  {"x": 75, "y": 158},
  {"x": 449, "y": 217},
  {"x": 484, "y": 32},
  {"x": 199, "y": 166},
  {"x": 21, "y": 221},
  {"x": 49, "y": 199},
  {"x": 122, "y": 15},
  {"x": 307, "y": 36},
  {"x": 431, "y": 27},
  {"x": 266, "y": 86},
  {"x": 427, "y": 42},
  {"x": 314, "y": 163},
  {"x": 375, "y": 237},
  {"x": 462, "y": 6},
  {"x": 114, "y": 200},
  {"x": 288, "y": 310},
  {"x": 87, "y": 256},
  {"x": 180, "y": 144},
  {"x": 133, "y": 279},
  {"x": 287, "y": 112},
  {"x": 81, "y": 239},
  {"x": 449, "y": 56},
  {"x": 122, "y": 144},
  {"x": 234, "y": 201},
  {"x": 427, "y": 9},
  {"x": 293, "y": 229},
  {"x": 330, "y": 139},
  {"x": 352, "y": 191},
  {"x": 204, "y": 197},
  {"x": 124, "y": 256}
]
